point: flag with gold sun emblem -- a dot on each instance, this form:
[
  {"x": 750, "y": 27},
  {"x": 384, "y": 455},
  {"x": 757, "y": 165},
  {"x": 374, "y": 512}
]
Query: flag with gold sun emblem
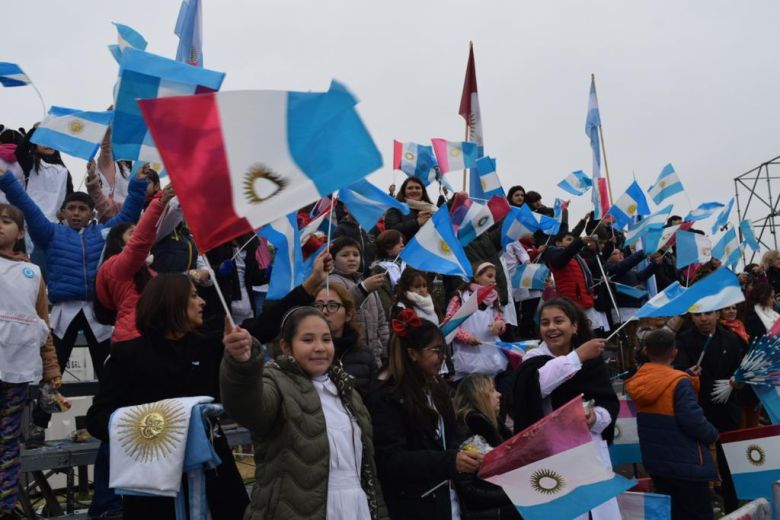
[
  {"x": 552, "y": 469},
  {"x": 74, "y": 132},
  {"x": 667, "y": 185},
  {"x": 632, "y": 203},
  {"x": 753, "y": 455},
  {"x": 435, "y": 248}
]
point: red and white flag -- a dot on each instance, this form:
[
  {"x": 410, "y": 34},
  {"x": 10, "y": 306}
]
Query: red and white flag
[{"x": 469, "y": 101}]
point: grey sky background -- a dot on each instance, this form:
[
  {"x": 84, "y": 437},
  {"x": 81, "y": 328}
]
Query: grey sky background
[{"x": 694, "y": 83}]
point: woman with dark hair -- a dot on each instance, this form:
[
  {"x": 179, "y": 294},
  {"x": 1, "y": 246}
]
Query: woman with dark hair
[
  {"x": 516, "y": 196},
  {"x": 124, "y": 272},
  {"x": 413, "y": 193},
  {"x": 170, "y": 359},
  {"x": 414, "y": 424},
  {"x": 314, "y": 456},
  {"x": 566, "y": 364},
  {"x": 760, "y": 314},
  {"x": 412, "y": 292}
]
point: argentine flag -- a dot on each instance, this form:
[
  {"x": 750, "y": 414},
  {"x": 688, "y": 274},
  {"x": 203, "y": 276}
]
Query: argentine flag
[
  {"x": 74, "y": 132},
  {"x": 625, "y": 446},
  {"x": 530, "y": 276},
  {"x": 484, "y": 182},
  {"x": 692, "y": 248},
  {"x": 712, "y": 293},
  {"x": 576, "y": 183},
  {"x": 655, "y": 221},
  {"x": 667, "y": 184},
  {"x": 703, "y": 211},
  {"x": 644, "y": 506},
  {"x": 467, "y": 308},
  {"x": 189, "y": 29},
  {"x": 723, "y": 217},
  {"x": 455, "y": 155},
  {"x": 367, "y": 203},
  {"x": 631, "y": 204},
  {"x": 287, "y": 266},
  {"x": 522, "y": 221},
  {"x": 479, "y": 217},
  {"x": 126, "y": 37},
  {"x": 415, "y": 160},
  {"x": 753, "y": 456},
  {"x": 748, "y": 236},
  {"x": 12, "y": 75},
  {"x": 656, "y": 305},
  {"x": 728, "y": 249},
  {"x": 435, "y": 248}
]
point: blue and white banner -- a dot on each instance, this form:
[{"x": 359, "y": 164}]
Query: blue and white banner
[
  {"x": 287, "y": 267},
  {"x": 723, "y": 217},
  {"x": 753, "y": 456},
  {"x": 656, "y": 221},
  {"x": 712, "y": 293},
  {"x": 522, "y": 222},
  {"x": 415, "y": 160},
  {"x": 748, "y": 235},
  {"x": 666, "y": 185},
  {"x": 530, "y": 276},
  {"x": 703, "y": 211},
  {"x": 12, "y": 75},
  {"x": 189, "y": 29},
  {"x": 484, "y": 182},
  {"x": 74, "y": 132},
  {"x": 692, "y": 248},
  {"x": 728, "y": 249},
  {"x": 435, "y": 248},
  {"x": 576, "y": 183},
  {"x": 368, "y": 204},
  {"x": 631, "y": 204}
]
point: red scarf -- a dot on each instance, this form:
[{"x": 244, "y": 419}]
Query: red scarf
[{"x": 737, "y": 327}]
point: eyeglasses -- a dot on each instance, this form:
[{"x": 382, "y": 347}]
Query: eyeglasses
[{"x": 330, "y": 306}]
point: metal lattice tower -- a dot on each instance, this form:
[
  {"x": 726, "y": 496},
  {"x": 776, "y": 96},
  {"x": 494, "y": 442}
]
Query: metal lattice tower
[{"x": 758, "y": 200}]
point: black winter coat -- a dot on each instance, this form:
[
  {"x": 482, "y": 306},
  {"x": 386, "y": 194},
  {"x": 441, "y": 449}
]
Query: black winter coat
[
  {"x": 406, "y": 224},
  {"x": 357, "y": 361},
  {"x": 411, "y": 458},
  {"x": 145, "y": 370}
]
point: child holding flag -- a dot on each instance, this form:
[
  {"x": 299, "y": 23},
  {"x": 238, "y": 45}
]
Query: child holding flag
[{"x": 673, "y": 433}]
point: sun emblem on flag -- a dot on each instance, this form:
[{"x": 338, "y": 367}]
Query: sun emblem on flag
[
  {"x": 547, "y": 481},
  {"x": 525, "y": 282},
  {"x": 454, "y": 152},
  {"x": 409, "y": 156},
  {"x": 618, "y": 432},
  {"x": 728, "y": 249},
  {"x": 445, "y": 247},
  {"x": 260, "y": 184},
  {"x": 150, "y": 432},
  {"x": 483, "y": 183},
  {"x": 706, "y": 251},
  {"x": 694, "y": 308},
  {"x": 755, "y": 455},
  {"x": 631, "y": 209},
  {"x": 662, "y": 184},
  {"x": 75, "y": 126}
]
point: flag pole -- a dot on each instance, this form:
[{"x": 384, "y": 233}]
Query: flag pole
[
  {"x": 334, "y": 200},
  {"x": 43, "y": 103},
  {"x": 219, "y": 290},
  {"x": 465, "y": 171},
  {"x": 603, "y": 145}
]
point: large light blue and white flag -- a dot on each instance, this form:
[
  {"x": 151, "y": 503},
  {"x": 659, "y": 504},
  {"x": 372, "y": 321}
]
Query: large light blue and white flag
[
  {"x": 367, "y": 203},
  {"x": 723, "y": 216},
  {"x": 600, "y": 193},
  {"x": 728, "y": 249},
  {"x": 625, "y": 446},
  {"x": 143, "y": 75},
  {"x": 530, "y": 276},
  {"x": 692, "y": 248},
  {"x": 415, "y": 160},
  {"x": 748, "y": 235},
  {"x": 631, "y": 204},
  {"x": 478, "y": 217},
  {"x": 656, "y": 221},
  {"x": 522, "y": 221},
  {"x": 576, "y": 183},
  {"x": 552, "y": 469},
  {"x": 703, "y": 211},
  {"x": 287, "y": 266},
  {"x": 666, "y": 185},
  {"x": 12, "y": 75},
  {"x": 435, "y": 248},
  {"x": 753, "y": 456},
  {"x": 712, "y": 293},
  {"x": 455, "y": 155},
  {"x": 126, "y": 37},
  {"x": 483, "y": 181},
  {"x": 467, "y": 308},
  {"x": 189, "y": 29},
  {"x": 74, "y": 132},
  {"x": 644, "y": 506}
]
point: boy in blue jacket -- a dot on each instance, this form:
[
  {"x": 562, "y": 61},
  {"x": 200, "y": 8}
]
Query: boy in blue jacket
[
  {"x": 673, "y": 433},
  {"x": 73, "y": 251}
]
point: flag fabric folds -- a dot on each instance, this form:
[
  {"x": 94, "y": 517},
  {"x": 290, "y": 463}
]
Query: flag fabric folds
[
  {"x": 239, "y": 160},
  {"x": 471, "y": 218},
  {"x": 552, "y": 469},
  {"x": 631, "y": 204},
  {"x": 692, "y": 248},
  {"x": 703, "y": 211},
  {"x": 287, "y": 265},
  {"x": 713, "y": 292},
  {"x": 600, "y": 193},
  {"x": 655, "y": 221},
  {"x": 126, "y": 37},
  {"x": 666, "y": 185},
  {"x": 435, "y": 248},
  {"x": 467, "y": 308},
  {"x": 484, "y": 182},
  {"x": 753, "y": 455},
  {"x": 455, "y": 155},
  {"x": 12, "y": 75},
  {"x": 469, "y": 101},
  {"x": 189, "y": 29},
  {"x": 367, "y": 203},
  {"x": 723, "y": 216},
  {"x": 644, "y": 506},
  {"x": 576, "y": 183},
  {"x": 74, "y": 132},
  {"x": 625, "y": 446},
  {"x": 530, "y": 276},
  {"x": 728, "y": 249},
  {"x": 748, "y": 235},
  {"x": 770, "y": 400},
  {"x": 522, "y": 221},
  {"x": 147, "y": 76},
  {"x": 415, "y": 160}
]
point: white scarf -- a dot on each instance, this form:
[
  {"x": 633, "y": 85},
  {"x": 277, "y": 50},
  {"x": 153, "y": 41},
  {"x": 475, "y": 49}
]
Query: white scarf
[
  {"x": 767, "y": 315},
  {"x": 423, "y": 306},
  {"x": 421, "y": 205}
]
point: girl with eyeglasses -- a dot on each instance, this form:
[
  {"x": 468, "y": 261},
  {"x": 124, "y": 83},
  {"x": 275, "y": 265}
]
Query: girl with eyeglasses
[
  {"x": 414, "y": 426},
  {"x": 349, "y": 347}
]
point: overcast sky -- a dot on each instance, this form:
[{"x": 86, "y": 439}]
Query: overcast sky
[{"x": 694, "y": 83}]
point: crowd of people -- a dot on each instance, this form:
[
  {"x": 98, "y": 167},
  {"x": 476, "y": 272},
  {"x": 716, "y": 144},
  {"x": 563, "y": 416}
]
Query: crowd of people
[{"x": 356, "y": 403}]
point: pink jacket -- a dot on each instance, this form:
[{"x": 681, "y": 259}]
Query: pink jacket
[{"x": 115, "y": 284}]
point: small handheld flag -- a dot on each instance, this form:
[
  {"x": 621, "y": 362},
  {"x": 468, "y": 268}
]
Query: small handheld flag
[
  {"x": 530, "y": 276},
  {"x": 728, "y": 249},
  {"x": 723, "y": 217},
  {"x": 484, "y": 182},
  {"x": 655, "y": 221},
  {"x": 692, "y": 248},
  {"x": 631, "y": 204},
  {"x": 435, "y": 248},
  {"x": 748, "y": 235},
  {"x": 287, "y": 265},
  {"x": 189, "y": 29},
  {"x": 667, "y": 185},
  {"x": 126, "y": 37},
  {"x": 703, "y": 211},
  {"x": 714, "y": 292},
  {"x": 12, "y": 75},
  {"x": 452, "y": 155},
  {"x": 415, "y": 160},
  {"x": 74, "y": 132},
  {"x": 367, "y": 203},
  {"x": 576, "y": 183}
]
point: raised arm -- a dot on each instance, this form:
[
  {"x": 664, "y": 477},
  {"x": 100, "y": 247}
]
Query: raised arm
[
  {"x": 135, "y": 252},
  {"x": 134, "y": 203},
  {"x": 39, "y": 227}
]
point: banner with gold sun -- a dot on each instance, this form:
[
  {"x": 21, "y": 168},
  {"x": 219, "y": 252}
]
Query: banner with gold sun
[{"x": 753, "y": 455}]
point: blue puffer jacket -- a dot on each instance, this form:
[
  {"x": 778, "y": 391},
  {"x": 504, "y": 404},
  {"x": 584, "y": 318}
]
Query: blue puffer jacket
[
  {"x": 72, "y": 255},
  {"x": 673, "y": 432}
]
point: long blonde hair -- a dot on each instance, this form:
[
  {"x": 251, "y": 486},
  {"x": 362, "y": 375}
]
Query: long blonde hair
[
  {"x": 473, "y": 395},
  {"x": 769, "y": 258}
]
